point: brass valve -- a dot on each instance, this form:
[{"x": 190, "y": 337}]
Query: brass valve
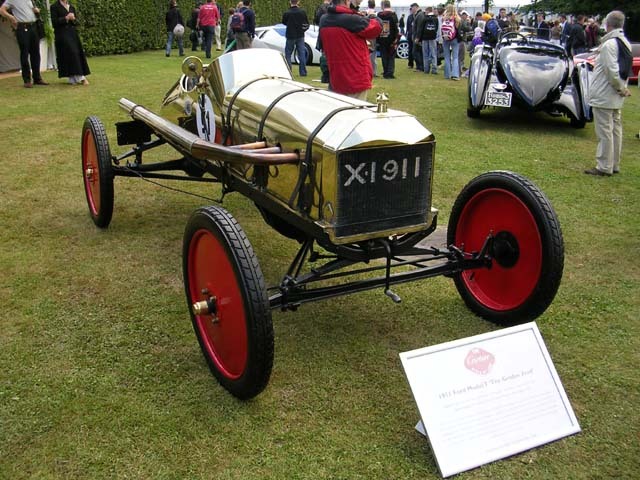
[{"x": 382, "y": 99}]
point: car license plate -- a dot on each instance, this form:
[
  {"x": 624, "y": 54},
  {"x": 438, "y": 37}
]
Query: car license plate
[{"x": 498, "y": 99}]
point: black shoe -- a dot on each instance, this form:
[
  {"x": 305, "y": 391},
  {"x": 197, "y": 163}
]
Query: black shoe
[
  {"x": 597, "y": 173},
  {"x": 41, "y": 82},
  {"x": 167, "y": 55}
]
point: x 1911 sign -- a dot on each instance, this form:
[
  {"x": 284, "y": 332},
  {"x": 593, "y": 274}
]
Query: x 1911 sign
[{"x": 488, "y": 397}]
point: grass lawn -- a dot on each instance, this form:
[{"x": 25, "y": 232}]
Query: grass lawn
[{"x": 100, "y": 372}]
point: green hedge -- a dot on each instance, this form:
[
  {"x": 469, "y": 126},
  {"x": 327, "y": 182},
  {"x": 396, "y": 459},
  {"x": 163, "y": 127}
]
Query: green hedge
[{"x": 124, "y": 26}]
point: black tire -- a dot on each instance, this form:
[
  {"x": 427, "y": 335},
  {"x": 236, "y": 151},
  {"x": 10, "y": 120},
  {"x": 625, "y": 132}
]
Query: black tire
[
  {"x": 577, "y": 123},
  {"x": 309, "y": 54},
  {"x": 237, "y": 342},
  {"x": 97, "y": 172},
  {"x": 528, "y": 250},
  {"x": 473, "y": 112}
]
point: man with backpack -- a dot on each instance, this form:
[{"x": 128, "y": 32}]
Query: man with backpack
[
  {"x": 297, "y": 23},
  {"x": 607, "y": 92},
  {"x": 428, "y": 25},
  {"x": 243, "y": 25},
  {"x": 388, "y": 39}
]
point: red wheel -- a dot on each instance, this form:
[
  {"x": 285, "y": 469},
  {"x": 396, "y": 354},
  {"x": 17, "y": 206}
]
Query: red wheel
[
  {"x": 97, "y": 171},
  {"x": 228, "y": 302},
  {"x": 527, "y": 250}
]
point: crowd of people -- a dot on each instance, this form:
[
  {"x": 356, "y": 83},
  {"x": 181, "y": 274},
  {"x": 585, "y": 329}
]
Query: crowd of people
[
  {"x": 206, "y": 21},
  {"x": 350, "y": 39}
]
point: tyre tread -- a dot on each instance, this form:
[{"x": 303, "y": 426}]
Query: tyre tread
[
  {"x": 259, "y": 325},
  {"x": 551, "y": 236},
  {"x": 92, "y": 123}
]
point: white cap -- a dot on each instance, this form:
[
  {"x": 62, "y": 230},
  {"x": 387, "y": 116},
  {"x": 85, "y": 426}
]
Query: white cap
[{"x": 464, "y": 12}]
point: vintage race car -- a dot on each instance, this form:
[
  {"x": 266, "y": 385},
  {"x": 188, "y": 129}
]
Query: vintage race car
[
  {"x": 528, "y": 73},
  {"x": 350, "y": 181}
]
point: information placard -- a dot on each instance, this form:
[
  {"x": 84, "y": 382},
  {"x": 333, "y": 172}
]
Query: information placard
[{"x": 487, "y": 397}]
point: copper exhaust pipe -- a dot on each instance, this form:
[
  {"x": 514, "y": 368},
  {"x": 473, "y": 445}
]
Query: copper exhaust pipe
[{"x": 194, "y": 146}]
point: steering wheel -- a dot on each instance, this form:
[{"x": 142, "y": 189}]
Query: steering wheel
[{"x": 515, "y": 35}]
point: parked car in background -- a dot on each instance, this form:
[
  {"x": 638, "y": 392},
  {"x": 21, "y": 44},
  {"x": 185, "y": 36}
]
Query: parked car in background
[
  {"x": 528, "y": 73},
  {"x": 590, "y": 58},
  {"x": 402, "y": 50},
  {"x": 273, "y": 37}
]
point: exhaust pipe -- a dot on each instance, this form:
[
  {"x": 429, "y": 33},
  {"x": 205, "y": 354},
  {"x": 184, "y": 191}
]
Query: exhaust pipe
[{"x": 189, "y": 144}]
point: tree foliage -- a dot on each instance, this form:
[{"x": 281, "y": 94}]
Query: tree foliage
[{"x": 631, "y": 9}]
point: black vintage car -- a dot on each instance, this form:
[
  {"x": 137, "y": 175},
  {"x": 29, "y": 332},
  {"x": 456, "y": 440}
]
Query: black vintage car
[{"x": 528, "y": 73}]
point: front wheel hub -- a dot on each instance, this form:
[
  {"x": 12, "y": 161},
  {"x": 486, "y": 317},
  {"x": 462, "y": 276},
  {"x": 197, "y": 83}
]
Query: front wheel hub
[
  {"x": 505, "y": 249},
  {"x": 206, "y": 307}
]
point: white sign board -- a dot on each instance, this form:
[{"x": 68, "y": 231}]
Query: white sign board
[{"x": 487, "y": 397}]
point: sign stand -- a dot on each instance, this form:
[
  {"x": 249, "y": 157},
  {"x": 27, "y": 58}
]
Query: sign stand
[{"x": 488, "y": 397}]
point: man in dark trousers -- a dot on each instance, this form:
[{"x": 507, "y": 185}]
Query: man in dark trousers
[
  {"x": 388, "y": 39},
  {"x": 23, "y": 20},
  {"x": 542, "y": 28},
  {"x": 416, "y": 37},
  {"x": 297, "y": 23},
  {"x": 565, "y": 25},
  {"x": 343, "y": 36},
  {"x": 577, "y": 41},
  {"x": 409, "y": 34}
]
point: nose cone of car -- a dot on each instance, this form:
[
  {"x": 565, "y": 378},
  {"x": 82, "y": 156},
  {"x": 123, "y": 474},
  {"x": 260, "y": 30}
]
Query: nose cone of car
[{"x": 532, "y": 74}]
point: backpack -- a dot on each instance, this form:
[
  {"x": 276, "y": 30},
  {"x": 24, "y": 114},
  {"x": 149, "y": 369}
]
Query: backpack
[
  {"x": 386, "y": 29},
  {"x": 237, "y": 22},
  {"x": 492, "y": 31},
  {"x": 448, "y": 29},
  {"x": 430, "y": 27},
  {"x": 625, "y": 60}
]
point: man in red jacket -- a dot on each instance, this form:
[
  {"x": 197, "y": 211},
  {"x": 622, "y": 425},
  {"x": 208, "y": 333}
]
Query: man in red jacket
[{"x": 343, "y": 36}]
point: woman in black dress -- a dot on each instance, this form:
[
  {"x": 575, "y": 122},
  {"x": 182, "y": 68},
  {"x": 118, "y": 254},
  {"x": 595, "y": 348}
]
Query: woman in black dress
[{"x": 72, "y": 62}]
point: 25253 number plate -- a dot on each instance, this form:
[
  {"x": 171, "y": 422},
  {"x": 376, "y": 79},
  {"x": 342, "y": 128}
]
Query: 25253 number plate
[{"x": 498, "y": 99}]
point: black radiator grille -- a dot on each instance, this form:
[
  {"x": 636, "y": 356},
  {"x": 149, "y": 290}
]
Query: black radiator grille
[{"x": 383, "y": 188}]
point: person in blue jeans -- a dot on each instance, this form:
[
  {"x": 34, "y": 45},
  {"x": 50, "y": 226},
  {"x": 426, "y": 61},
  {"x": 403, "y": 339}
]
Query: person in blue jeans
[
  {"x": 448, "y": 30},
  {"x": 172, "y": 19},
  {"x": 430, "y": 37},
  {"x": 297, "y": 23}
]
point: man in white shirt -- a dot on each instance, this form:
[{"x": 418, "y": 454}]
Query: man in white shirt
[{"x": 22, "y": 15}]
